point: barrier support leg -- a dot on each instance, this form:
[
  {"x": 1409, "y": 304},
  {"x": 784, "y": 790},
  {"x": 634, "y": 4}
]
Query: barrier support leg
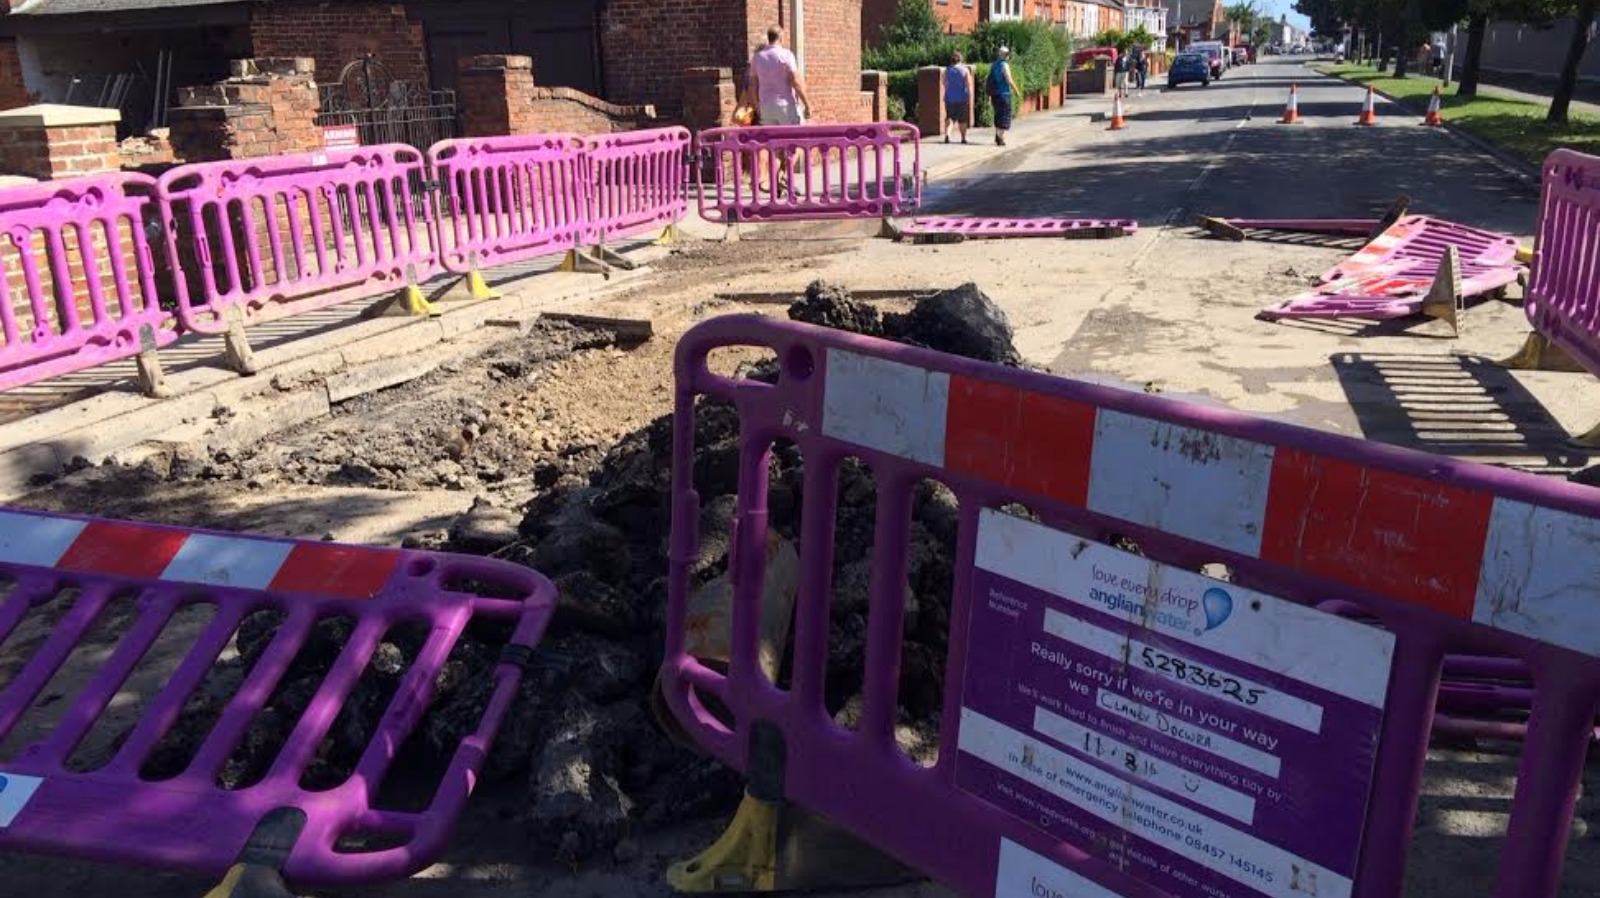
[
  {"x": 152, "y": 380},
  {"x": 1589, "y": 439},
  {"x": 236, "y": 351},
  {"x": 408, "y": 300},
  {"x": 1218, "y": 227},
  {"x": 774, "y": 846},
  {"x": 1539, "y": 354},
  {"x": 669, "y": 236},
  {"x": 251, "y": 881},
  {"x": 256, "y": 873},
  {"x": 476, "y": 285},
  {"x": 1444, "y": 300},
  {"x": 888, "y": 230}
]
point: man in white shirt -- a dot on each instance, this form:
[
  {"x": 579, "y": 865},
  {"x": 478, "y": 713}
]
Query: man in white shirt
[{"x": 780, "y": 91}]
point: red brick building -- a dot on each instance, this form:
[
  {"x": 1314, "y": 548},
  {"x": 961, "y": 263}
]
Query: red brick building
[{"x": 625, "y": 52}]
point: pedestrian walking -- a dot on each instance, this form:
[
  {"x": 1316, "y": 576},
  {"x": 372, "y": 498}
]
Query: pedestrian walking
[
  {"x": 1003, "y": 91},
  {"x": 957, "y": 96},
  {"x": 1143, "y": 66},
  {"x": 1119, "y": 77},
  {"x": 779, "y": 89}
]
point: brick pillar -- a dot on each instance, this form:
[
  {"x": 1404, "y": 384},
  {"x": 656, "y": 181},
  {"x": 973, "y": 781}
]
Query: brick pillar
[
  {"x": 50, "y": 141},
  {"x": 267, "y": 107},
  {"x": 877, "y": 84},
  {"x": 13, "y": 93},
  {"x": 930, "y": 100},
  {"x": 709, "y": 98},
  {"x": 496, "y": 95}
]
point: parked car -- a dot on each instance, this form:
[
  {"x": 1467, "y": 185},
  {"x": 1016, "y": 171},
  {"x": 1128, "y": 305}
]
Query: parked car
[
  {"x": 1189, "y": 68},
  {"x": 1214, "y": 52}
]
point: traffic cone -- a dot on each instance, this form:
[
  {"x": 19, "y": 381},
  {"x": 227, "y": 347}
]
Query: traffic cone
[
  {"x": 1369, "y": 109},
  {"x": 1433, "y": 119},
  {"x": 1291, "y": 113},
  {"x": 1117, "y": 122}
]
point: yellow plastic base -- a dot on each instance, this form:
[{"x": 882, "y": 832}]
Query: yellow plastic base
[
  {"x": 478, "y": 287},
  {"x": 1539, "y": 354},
  {"x": 669, "y": 236},
  {"x": 1525, "y": 255},
  {"x": 415, "y": 303},
  {"x": 744, "y": 859}
]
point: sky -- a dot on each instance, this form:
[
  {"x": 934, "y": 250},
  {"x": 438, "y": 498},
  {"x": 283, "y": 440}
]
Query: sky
[{"x": 1276, "y": 8}]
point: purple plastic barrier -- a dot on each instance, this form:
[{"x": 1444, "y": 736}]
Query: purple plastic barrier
[
  {"x": 510, "y": 199},
  {"x": 1445, "y": 555},
  {"x": 981, "y": 228},
  {"x": 190, "y": 821},
  {"x": 1564, "y": 292},
  {"x": 638, "y": 182},
  {"x": 811, "y": 172},
  {"x": 277, "y": 236},
  {"x": 73, "y": 321},
  {"x": 1391, "y": 275}
]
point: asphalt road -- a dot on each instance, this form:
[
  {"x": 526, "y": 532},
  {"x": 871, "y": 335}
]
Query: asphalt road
[{"x": 1220, "y": 150}]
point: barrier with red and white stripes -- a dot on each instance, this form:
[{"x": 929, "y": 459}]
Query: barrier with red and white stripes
[
  {"x": 1295, "y": 739},
  {"x": 111, "y": 806}
]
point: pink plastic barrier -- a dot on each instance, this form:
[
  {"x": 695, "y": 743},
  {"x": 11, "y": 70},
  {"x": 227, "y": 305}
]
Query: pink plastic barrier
[
  {"x": 1116, "y": 723},
  {"x": 1392, "y": 274},
  {"x": 811, "y": 172},
  {"x": 114, "y": 808},
  {"x": 278, "y": 236},
  {"x": 638, "y": 182},
  {"x": 1564, "y": 293},
  {"x": 80, "y": 284},
  {"x": 983, "y": 228},
  {"x": 510, "y": 199}
]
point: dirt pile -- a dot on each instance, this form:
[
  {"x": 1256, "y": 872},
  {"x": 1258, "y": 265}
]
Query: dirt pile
[{"x": 580, "y": 737}]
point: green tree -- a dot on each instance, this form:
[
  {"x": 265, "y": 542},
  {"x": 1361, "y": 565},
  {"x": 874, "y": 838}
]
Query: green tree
[
  {"x": 1243, "y": 14},
  {"x": 914, "y": 22}
]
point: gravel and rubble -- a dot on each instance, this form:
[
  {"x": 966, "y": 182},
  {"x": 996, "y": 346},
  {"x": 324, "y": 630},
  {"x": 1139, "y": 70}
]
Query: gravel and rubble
[{"x": 560, "y": 438}]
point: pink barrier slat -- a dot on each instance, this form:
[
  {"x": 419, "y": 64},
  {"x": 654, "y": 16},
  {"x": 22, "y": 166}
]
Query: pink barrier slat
[
  {"x": 1392, "y": 274},
  {"x": 1564, "y": 292},
  {"x": 509, "y": 199},
  {"x": 116, "y": 810},
  {"x": 639, "y": 181},
  {"x": 78, "y": 251},
  {"x": 1063, "y": 648},
  {"x": 355, "y": 225},
  {"x": 811, "y": 172}
]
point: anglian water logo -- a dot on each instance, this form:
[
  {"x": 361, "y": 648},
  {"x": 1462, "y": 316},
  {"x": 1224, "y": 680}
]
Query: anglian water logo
[{"x": 1218, "y": 607}]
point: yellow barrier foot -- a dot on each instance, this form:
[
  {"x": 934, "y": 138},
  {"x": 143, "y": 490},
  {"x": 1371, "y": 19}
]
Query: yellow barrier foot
[
  {"x": 1217, "y": 227},
  {"x": 669, "y": 236},
  {"x": 1539, "y": 354},
  {"x": 152, "y": 380},
  {"x": 1588, "y": 440},
  {"x": 236, "y": 351},
  {"x": 478, "y": 287},
  {"x": 251, "y": 881},
  {"x": 889, "y": 230},
  {"x": 1444, "y": 300},
  {"x": 744, "y": 859},
  {"x": 1525, "y": 255}
]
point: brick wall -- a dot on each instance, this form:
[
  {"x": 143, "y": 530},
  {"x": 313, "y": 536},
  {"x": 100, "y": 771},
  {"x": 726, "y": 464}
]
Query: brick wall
[
  {"x": 960, "y": 16},
  {"x": 565, "y": 109},
  {"x": 268, "y": 107},
  {"x": 495, "y": 94},
  {"x": 13, "y": 92},
  {"x": 336, "y": 34},
  {"x": 48, "y": 153},
  {"x": 647, "y": 44},
  {"x": 832, "y": 45}
]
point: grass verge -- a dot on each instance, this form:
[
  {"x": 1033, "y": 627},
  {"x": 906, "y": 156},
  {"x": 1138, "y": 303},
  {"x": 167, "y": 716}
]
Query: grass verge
[{"x": 1517, "y": 126}]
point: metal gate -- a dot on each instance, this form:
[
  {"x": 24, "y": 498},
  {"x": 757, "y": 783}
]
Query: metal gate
[{"x": 386, "y": 110}]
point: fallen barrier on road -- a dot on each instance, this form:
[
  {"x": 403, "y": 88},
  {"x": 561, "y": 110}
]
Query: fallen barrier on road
[
  {"x": 112, "y": 806},
  {"x": 1395, "y": 273},
  {"x": 810, "y": 172},
  {"x": 1563, "y": 296},
  {"x": 1217, "y": 735},
  {"x": 1238, "y": 229},
  {"x": 956, "y": 230}
]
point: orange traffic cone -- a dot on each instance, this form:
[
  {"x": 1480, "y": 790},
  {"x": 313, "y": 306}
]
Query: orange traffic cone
[
  {"x": 1433, "y": 119},
  {"x": 1369, "y": 110},
  {"x": 1117, "y": 122},
  {"x": 1291, "y": 113}
]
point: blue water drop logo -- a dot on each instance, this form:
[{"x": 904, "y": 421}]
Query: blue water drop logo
[{"x": 1218, "y": 606}]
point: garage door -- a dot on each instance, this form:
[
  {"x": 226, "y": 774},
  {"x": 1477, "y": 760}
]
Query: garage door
[{"x": 559, "y": 35}]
